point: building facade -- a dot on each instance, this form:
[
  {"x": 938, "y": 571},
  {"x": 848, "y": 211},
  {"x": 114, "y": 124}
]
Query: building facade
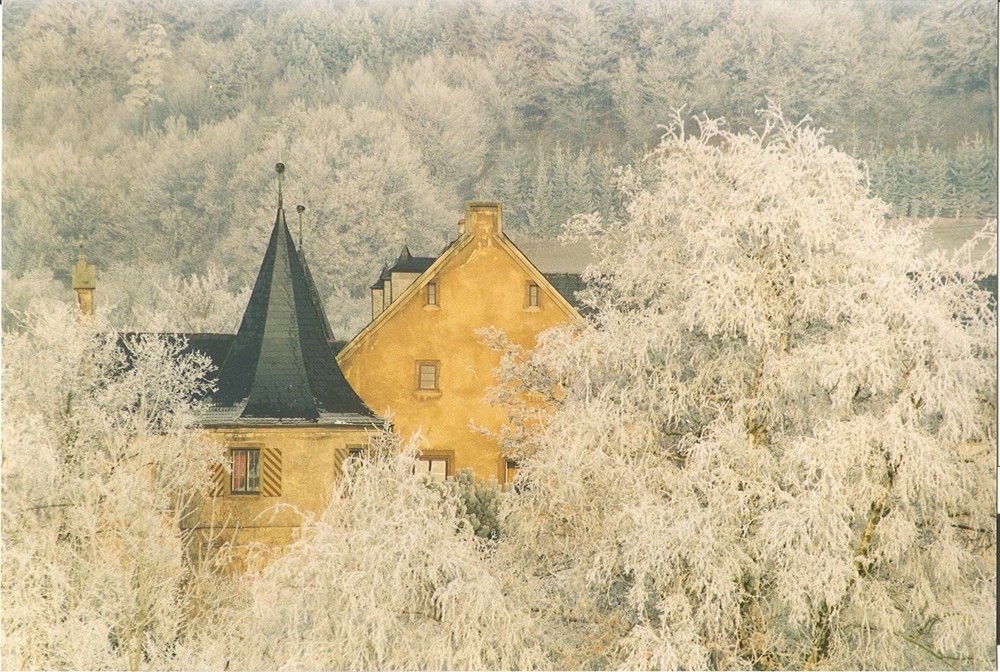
[
  {"x": 421, "y": 363},
  {"x": 289, "y": 410},
  {"x": 282, "y": 410}
]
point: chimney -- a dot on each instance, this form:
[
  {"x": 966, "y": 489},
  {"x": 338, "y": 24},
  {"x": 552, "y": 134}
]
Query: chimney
[
  {"x": 84, "y": 282},
  {"x": 484, "y": 218}
]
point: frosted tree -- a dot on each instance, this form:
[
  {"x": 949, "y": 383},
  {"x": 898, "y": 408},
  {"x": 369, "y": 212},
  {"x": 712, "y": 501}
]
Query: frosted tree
[
  {"x": 960, "y": 48},
  {"x": 774, "y": 447},
  {"x": 390, "y": 576},
  {"x": 101, "y": 461},
  {"x": 147, "y": 57},
  {"x": 152, "y": 299}
]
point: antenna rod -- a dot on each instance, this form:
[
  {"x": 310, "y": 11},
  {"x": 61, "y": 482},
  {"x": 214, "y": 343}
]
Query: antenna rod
[
  {"x": 300, "y": 209},
  {"x": 280, "y": 169}
]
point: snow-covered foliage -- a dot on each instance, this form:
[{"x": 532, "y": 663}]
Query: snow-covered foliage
[
  {"x": 153, "y": 299},
  {"x": 774, "y": 445},
  {"x": 100, "y": 462},
  {"x": 152, "y": 129},
  {"x": 390, "y": 576}
]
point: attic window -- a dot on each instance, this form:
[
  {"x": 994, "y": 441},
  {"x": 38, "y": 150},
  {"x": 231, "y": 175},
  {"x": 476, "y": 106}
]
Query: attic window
[
  {"x": 533, "y": 297},
  {"x": 246, "y": 471},
  {"x": 432, "y": 294}
]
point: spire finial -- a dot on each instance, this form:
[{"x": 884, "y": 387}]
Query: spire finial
[
  {"x": 406, "y": 234},
  {"x": 79, "y": 241},
  {"x": 300, "y": 209},
  {"x": 280, "y": 169}
]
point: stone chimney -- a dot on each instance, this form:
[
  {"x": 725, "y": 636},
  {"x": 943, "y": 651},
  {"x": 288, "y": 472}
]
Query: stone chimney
[{"x": 84, "y": 283}]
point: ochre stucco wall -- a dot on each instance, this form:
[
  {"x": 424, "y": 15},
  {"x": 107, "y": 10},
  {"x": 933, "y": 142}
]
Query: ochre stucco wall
[
  {"x": 479, "y": 285},
  {"x": 311, "y": 461}
]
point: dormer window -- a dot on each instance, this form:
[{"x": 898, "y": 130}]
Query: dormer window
[{"x": 432, "y": 294}]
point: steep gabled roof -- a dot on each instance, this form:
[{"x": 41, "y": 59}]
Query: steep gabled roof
[
  {"x": 281, "y": 368},
  {"x": 436, "y": 264}
]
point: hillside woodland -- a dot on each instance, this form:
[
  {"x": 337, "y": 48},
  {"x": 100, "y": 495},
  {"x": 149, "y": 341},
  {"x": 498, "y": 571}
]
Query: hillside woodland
[
  {"x": 151, "y": 128},
  {"x": 772, "y": 446}
]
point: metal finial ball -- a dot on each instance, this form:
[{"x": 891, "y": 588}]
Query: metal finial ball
[
  {"x": 280, "y": 167},
  {"x": 300, "y": 208}
]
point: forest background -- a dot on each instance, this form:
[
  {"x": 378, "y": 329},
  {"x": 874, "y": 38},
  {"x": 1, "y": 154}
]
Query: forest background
[{"x": 151, "y": 128}]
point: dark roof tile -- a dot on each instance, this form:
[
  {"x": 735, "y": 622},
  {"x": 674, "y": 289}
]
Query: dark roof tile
[{"x": 281, "y": 366}]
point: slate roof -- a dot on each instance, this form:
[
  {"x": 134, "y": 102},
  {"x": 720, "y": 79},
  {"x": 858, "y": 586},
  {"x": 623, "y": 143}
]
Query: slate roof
[
  {"x": 405, "y": 263},
  {"x": 550, "y": 255},
  {"x": 561, "y": 263},
  {"x": 214, "y": 346},
  {"x": 280, "y": 368},
  {"x": 568, "y": 284}
]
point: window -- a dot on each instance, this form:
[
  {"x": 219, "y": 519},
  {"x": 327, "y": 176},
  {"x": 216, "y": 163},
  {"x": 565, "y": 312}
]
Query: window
[
  {"x": 427, "y": 376},
  {"x": 356, "y": 451},
  {"x": 435, "y": 467},
  {"x": 533, "y": 295},
  {"x": 432, "y": 294},
  {"x": 246, "y": 470},
  {"x": 509, "y": 471}
]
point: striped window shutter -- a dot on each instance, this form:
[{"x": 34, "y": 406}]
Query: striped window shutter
[
  {"x": 339, "y": 457},
  {"x": 270, "y": 472},
  {"x": 218, "y": 480}
]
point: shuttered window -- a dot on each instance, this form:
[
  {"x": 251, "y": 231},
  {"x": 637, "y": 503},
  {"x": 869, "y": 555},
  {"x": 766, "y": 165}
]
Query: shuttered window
[
  {"x": 246, "y": 471},
  {"x": 270, "y": 484},
  {"x": 254, "y": 471}
]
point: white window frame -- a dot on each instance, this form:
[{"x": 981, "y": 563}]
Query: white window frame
[
  {"x": 435, "y": 465},
  {"x": 248, "y": 473}
]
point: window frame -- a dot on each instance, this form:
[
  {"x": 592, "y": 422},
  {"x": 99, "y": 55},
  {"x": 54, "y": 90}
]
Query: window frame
[
  {"x": 431, "y": 456},
  {"x": 431, "y": 294},
  {"x": 419, "y": 375},
  {"x": 533, "y": 296},
  {"x": 510, "y": 468},
  {"x": 252, "y": 484}
]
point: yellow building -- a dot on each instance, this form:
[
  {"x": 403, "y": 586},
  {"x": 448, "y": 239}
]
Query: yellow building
[
  {"x": 282, "y": 408},
  {"x": 289, "y": 412},
  {"x": 420, "y": 362}
]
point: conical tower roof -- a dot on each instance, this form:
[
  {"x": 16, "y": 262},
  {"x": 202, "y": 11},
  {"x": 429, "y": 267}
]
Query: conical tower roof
[{"x": 281, "y": 368}]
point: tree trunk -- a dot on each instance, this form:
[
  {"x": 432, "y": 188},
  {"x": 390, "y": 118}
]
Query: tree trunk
[{"x": 823, "y": 627}]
